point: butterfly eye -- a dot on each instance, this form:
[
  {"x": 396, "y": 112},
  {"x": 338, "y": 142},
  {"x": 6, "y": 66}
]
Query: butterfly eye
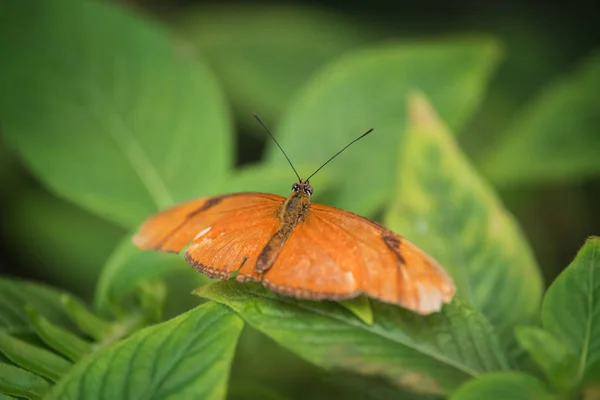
[
  {"x": 308, "y": 190},
  {"x": 295, "y": 187}
]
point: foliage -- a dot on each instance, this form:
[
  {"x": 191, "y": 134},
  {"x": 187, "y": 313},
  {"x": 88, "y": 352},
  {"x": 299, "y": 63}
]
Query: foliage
[{"x": 118, "y": 118}]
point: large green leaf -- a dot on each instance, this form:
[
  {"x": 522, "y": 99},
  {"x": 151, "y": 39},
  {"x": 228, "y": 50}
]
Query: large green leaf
[
  {"x": 446, "y": 208},
  {"x": 428, "y": 354},
  {"x": 504, "y": 386},
  {"x": 187, "y": 357},
  {"x": 57, "y": 250},
  {"x": 262, "y": 55},
  {"x": 368, "y": 89},
  {"x": 106, "y": 109},
  {"x": 555, "y": 138},
  {"x": 15, "y": 294},
  {"x": 571, "y": 307},
  {"x": 551, "y": 355}
]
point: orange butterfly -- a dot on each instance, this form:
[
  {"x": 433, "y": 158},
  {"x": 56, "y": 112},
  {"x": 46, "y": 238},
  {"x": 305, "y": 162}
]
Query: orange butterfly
[{"x": 299, "y": 249}]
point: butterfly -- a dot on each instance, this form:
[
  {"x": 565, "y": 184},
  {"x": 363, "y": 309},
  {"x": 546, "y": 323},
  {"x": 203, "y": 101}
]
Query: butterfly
[{"x": 299, "y": 249}]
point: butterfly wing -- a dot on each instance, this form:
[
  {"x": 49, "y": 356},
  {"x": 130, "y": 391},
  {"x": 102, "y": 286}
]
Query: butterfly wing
[
  {"x": 335, "y": 254},
  {"x": 224, "y": 231}
]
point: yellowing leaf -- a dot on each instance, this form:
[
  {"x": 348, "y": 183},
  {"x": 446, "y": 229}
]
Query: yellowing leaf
[{"x": 443, "y": 206}]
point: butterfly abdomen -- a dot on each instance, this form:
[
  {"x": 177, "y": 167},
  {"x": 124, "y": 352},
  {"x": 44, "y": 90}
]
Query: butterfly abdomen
[{"x": 292, "y": 212}]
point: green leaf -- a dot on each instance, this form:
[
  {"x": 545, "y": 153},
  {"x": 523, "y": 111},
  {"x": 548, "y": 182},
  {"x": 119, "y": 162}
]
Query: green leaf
[
  {"x": 16, "y": 293},
  {"x": 262, "y": 55},
  {"x": 54, "y": 248},
  {"x": 503, "y": 386},
  {"x": 368, "y": 89},
  {"x": 443, "y": 206},
  {"x": 360, "y": 307},
  {"x": 551, "y": 355},
  {"x": 187, "y": 357},
  {"x": 126, "y": 269},
  {"x": 555, "y": 138},
  {"x": 18, "y": 382},
  {"x": 277, "y": 368},
  {"x": 106, "y": 332},
  {"x": 153, "y": 296},
  {"x": 571, "y": 306},
  {"x": 89, "y": 323},
  {"x": 428, "y": 354},
  {"x": 61, "y": 340},
  {"x": 107, "y": 109},
  {"x": 33, "y": 358}
]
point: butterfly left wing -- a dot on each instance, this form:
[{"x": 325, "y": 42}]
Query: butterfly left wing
[
  {"x": 335, "y": 254},
  {"x": 224, "y": 231}
]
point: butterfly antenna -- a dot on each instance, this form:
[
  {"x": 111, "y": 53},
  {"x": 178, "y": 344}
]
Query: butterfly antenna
[
  {"x": 339, "y": 152},
  {"x": 278, "y": 145}
]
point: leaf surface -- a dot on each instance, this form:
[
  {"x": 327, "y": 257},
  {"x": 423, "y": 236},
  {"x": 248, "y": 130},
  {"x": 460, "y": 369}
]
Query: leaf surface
[
  {"x": 571, "y": 307},
  {"x": 504, "y": 385},
  {"x": 107, "y": 110},
  {"x": 442, "y": 205},
  {"x": 432, "y": 354},
  {"x": 186, "y": 357}
]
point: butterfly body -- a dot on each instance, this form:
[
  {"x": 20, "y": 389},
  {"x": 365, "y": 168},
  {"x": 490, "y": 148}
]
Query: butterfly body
[
  {"x": 298, "y": 248},
  {"x": 292, "y": 212}
]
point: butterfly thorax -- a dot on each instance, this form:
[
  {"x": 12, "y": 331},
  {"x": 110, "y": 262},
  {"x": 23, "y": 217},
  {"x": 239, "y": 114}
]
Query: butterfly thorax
[
  {"x": 294, "y": 209},
  {"x": 292, "y": 212}
]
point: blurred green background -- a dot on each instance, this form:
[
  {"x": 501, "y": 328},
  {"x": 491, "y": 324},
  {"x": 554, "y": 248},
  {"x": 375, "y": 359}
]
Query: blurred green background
[
  {"x": 547, "y": 173},
  {"x": 262, "y": 52}
]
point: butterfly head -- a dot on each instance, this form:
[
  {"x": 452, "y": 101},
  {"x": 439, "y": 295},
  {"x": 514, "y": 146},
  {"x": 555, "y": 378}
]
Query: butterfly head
[{"x": 303, "y": 187}]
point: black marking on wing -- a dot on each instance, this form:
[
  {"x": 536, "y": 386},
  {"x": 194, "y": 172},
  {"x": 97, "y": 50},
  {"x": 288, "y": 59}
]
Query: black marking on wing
[
  {"x": 211, "y": 202},
  {"x": 208, "y": 204},
  {"x": 393, "y": 243}
]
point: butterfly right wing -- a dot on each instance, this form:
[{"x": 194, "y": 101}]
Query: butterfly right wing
[
  {"x": 336, "y": 255},
  {"x": 225, "y": 231}
]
